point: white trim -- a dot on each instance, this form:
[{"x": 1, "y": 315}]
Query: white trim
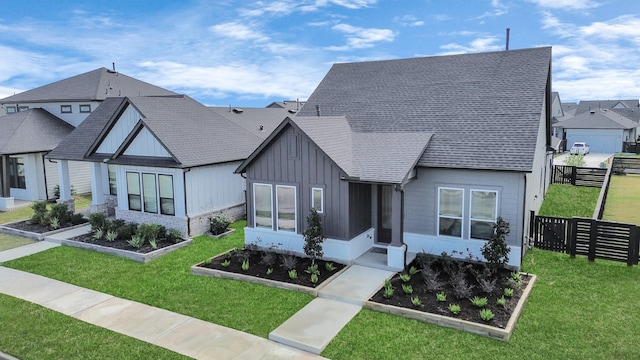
[
  {"x": 295, "y": 209},
  {"x": 451, "y": 217},
  {"x": 494, "y": 220},
  {"x": 313, "y": 205},
  {"x": 255, "y": 225}
]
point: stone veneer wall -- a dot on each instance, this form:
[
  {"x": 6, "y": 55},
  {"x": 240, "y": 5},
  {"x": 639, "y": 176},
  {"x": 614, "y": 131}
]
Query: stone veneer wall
[
  {"x": 108, "y": 207},
  {"x": 200, "y": 223}
]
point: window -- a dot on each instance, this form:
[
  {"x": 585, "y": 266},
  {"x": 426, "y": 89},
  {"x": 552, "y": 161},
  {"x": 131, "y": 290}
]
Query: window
[
  {"x": 65, "y": 109},
  {"x": 286, "y": 205},
  {"x": 133, "y": 191},
  {"x": 23, "y": 108},
  {"x": 149, "y": 192},
  {"x": 167, "y": 206},
  {"x": 483, "y": 213},
  {"x": 16, "y": 173},
  {"x": 450, "y": 211},
  {"x": 10, "y": 109},
  {"x": 113, "y": 186},
  {"x": 153, "y": 195},
  {"x": 85, "y": 108},
  {"x": 317, "y": 199},
  {"x": 262, "y": 206}
]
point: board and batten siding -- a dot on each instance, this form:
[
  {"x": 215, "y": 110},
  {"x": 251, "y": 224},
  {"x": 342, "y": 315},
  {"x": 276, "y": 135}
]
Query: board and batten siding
[
  {"x": 119, "y": 132},
  {"x": 421, "y": 198},
  {"x": 293, "y": 159},
  {"x": 145, "y": 144},
  {"x": 79, "y": 176},
  {"x": 213, "y": 187}
]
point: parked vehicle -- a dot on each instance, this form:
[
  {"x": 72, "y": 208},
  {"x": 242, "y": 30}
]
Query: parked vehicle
[{"x": 579, "y": 148}]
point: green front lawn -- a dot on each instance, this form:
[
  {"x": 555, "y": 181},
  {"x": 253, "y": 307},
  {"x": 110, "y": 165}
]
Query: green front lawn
[
  {"x": 9, "y": 241},
  {"x": 568, "y": 201},
  {"x": 623, "y": 200}
]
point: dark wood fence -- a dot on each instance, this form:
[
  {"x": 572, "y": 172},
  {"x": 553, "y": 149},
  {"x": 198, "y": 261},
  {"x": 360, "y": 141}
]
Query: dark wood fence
[
  {"x": 579, "y": 176},
  {"x": 595, "y": 239},
  {"x": 620, "y": 164}
]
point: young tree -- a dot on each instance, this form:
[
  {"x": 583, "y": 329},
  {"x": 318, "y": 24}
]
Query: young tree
[
  {"x": 313, "y": 237},
  {"x": 496, "y": 250}
]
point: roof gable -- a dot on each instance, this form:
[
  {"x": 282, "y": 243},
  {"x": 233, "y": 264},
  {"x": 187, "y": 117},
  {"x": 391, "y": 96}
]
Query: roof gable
[
  {"x": 598, "y": 119},
  {"x": 119, "y": 130},
  {"x": 33, "y": 130},
  {"x": 145, "y": 144}
]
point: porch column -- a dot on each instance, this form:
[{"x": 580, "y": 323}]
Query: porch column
[
  {"x": 65, "y": 185},
  {"x": 397, "y": 204},
  {"x": 98, "y": 203},
  {"x": 5, "y": 189}
]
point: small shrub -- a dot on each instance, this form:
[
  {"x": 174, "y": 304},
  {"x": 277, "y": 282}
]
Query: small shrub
[
  {"x": 450, "y": 265},
  {"x": 226, "y": 263},
  {"x": 269, "y": 271},
  {"x": 407, "y": 289},
  {"x": 441, "y": 296},
  {"x": 174, "y": 235},
  {"x": 431, "y": 279},
  {"x": 454, "y": 308},
  {"x": 136, "y": 241},
  {"x": 268, "y": 258},
  {"x": 388, "y": 289},
  {"x": 242, "y": 255},
  {"x": 508, "y": 292},
  {"x": 111, "y": 236},
  {"x": 207, "y": 262},
  {"x": 413, "y": 270},
  {"x": 219, "y": 223},
  {"x": 486, "y": 314},
  {"x": 479, "y": 301},
  {"x": 405, "y": 277},
  {"x": 150, "y": 231},
  {"x": 515, "y": 280},
  {"x": 496, "y": 251},
  {"x": 76, "y": 218},
  {"x": 60, "y": 211},
  {"x": 575, "y": 160},
  {"x": 460, "y": 286},
  {"x": 487, "y": 285},
  {"x": 312, "y": 269},
  {"x": 245, "y": 265},
  {"x": 501, "y": 301},
  {"x": 98, "y": 233},
  {"x": 416, "y": 301},
  {"x": 288, "y": 261},
  {"x": 329, "y": 267},
  {"x": 126, "y": 231},
  {"x": 313, "y": 236},
  {"x": 293, "y": 274},
  {"x": 98, "y": 220},
  {"x": 153, "y": 243},
  {"x": 39, "y": 211},
  {"x": 54, "y": 223},
  {"x": 314, "y": 277}
]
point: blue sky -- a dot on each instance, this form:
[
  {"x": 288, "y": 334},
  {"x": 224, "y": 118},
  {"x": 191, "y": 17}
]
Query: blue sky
[{"x": 249, "y": 53}]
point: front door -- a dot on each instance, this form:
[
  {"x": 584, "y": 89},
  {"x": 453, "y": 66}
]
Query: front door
[{"x": 385, "y": 193}]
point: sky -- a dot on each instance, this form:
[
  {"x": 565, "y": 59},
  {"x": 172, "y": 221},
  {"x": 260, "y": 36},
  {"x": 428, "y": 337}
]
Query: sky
[{"x": 250, "y": 53}]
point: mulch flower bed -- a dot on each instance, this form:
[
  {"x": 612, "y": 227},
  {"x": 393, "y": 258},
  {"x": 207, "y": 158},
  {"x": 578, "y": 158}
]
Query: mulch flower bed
[
  {"x": 261, "y": 261},
  {"x": 123, "y": 244},
  {"x": 26, "y": 225},
  {"x": 469, "y": 312}
]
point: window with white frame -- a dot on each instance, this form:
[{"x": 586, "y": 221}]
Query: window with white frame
[
  {"x": 317, "y": 199},
  {"x": 450, "y": 204},
  {"x": 286, "y": 208},
  {"x": 113, "y": 186},
  {"x": 152, "y": 193},
  {"x": 483, "y": 213},
  {"x": 262, "y": 209}
]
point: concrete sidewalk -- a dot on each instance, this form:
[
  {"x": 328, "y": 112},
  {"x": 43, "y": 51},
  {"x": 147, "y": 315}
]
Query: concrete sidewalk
[{"x": 183, "y": 334}]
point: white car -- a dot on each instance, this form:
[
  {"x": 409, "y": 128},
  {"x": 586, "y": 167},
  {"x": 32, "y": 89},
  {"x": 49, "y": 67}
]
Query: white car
[{"x": 579, "y": 148}]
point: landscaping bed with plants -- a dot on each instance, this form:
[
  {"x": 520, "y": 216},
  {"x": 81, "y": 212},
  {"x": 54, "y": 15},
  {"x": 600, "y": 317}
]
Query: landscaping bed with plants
[{"x": 45, "y": 221}]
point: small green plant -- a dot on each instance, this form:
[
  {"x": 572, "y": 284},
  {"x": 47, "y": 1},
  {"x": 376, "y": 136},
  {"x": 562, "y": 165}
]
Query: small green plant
[
  {"x": 501, "y": 301},
  {"x": 150, "y": 231},
  {"x": 312, "y": 269},
  {"x": 226, "y": 263},
  {"x": 269, "y": 271},
  {"x": 245, "y": 265},
  {"x": 329, "y": 266},
  {"x": 98, "y": 220},
  {"x": 313, "y": 236},
  {"x": 174, "y": 235},
  {"x": 288, "y": 261},
  {"x": 479, "y": 301},
  {"x": 314, "y": 278},
  {"x": 496, "y": 251},
  {"x": 441, "y": 296},
  {"x": 54, "y": 223},
  {"x": 153, "y": 243},
  {"x": 416, "y": 301},
  {"x": 60, "y": 211},
  {"x": 405, "y": 277},
  {"x": 454, "y": 309},
  {"x": 98, "y": 233},
  {"x": 293, "y": 274},
  {"x": 39, "y": 211},
  {"x": 508, "y": 292},
  {"x": 413, "y": 270},
  {"x": 207, "y": 262},
  {"x": 514, "y": 281},
  {"x": 407, "y": 289},
  {"x": 486, "y": 314},
  {"x": 111, "y": 235},
  {"x": 388, "y": 289},
  {"x": 575, "y": 160},
  {"x": 218, "y": 223},
  {"x": 136, "y": 241}
]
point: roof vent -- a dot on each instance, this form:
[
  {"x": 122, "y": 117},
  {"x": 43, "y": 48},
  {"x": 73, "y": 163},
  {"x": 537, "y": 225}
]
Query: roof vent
[
  {"x": 261, "y": 128},
  {"x": 237, "y": 110},
  {"x": 291, "y": 111},
  {"x": 592, "y": 111}
]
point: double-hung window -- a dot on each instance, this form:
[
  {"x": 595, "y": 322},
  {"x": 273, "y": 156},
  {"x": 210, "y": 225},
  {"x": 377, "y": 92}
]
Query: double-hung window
[
  {"x": 263, "y": 216},
  {"x": 286, "y": 205},
  {"x": 317, "y": 199},
  {"x": 483, "y": 214},
  {"x": 450, "y": 204},
  {"x": 152, "y": 193},
  {"x": 113, "y": 186},
  {"x": 133, "y": 191},
  {"x": 167, "y": 205}
]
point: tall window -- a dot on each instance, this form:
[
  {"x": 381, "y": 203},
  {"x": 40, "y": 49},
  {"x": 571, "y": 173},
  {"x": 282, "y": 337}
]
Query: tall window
[
  {"x": 484, "y": 208},
  {"x": 286, "y": 204},
  {"x": 113, "y": 186},
  {"x": 317, "y": 199},
  {"x": 262, "y": 206},
  {"x": 152, "y": 193},
  {"x": 149, "y": 191},
  {"x": 167, "y": 206},
  {"x": 133, "y": 191},
  {"x": 16, "y": 173},
  {"x": 450, "y": 211}
]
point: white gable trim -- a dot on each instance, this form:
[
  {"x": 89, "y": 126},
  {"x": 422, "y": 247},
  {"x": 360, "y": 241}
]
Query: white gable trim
[
  {"x": 120, "y": 131},
  {"x": 146, "y": 144}
]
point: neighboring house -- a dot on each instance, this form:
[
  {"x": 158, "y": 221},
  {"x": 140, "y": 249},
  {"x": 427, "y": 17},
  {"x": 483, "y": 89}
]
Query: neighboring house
[
  {"x": 627, "y": 108},
  {"x": 164, "y": 159},
  {"x": 61, "y": 106},
  {"x": 603, "y": 129},
  {"x": 259, "y": 121},
  {"x": 405, "y": 156}
]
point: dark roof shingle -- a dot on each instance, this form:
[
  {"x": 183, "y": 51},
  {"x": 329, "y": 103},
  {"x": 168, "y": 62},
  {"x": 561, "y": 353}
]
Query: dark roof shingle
[{"x": 29, "y": 131}]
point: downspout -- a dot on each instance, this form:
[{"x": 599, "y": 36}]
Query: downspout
[
  {"x": 184, "y": 191},
  {"x": 46, "y": 188},
  {"x": 524, "y": 210}
]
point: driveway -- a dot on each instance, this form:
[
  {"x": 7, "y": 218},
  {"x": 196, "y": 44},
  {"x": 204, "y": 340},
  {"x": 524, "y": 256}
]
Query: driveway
[{"x": 593, "y": 160}]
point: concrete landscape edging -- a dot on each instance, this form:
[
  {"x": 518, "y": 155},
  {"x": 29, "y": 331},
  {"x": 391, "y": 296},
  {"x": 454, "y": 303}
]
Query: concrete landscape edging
[
  {"x": 5, "y": 229},
  {"x": 131, "y": 255},
  {"x": 463, "y": 325}
]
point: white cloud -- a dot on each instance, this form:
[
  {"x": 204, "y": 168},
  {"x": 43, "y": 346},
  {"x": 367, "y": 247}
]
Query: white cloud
[
  {"x": 498, "y": 9},
  {"x": 361, "y": 38},
  {"x": 408, "y": 20},
  {"x": 621, "y": 28},
  {"x": 482, "y": 44},
  {"x": 238, "y": 31},
  {"x": 566, "y": 4},
  {"x": 286, "y": 7}
]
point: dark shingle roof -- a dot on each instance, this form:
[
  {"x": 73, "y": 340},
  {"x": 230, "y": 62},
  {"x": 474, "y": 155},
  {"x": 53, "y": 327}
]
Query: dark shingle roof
[
  {"x": 191, "y": 132},
  {"x": 598, "y": 119},
  {"x": 477, "y": 106},
  {"x": 259, "y": 121},
  {"x": 627, "y": 108},
  {"x": 93, "y": 85},
  {"x": 33, "y": 130}
]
